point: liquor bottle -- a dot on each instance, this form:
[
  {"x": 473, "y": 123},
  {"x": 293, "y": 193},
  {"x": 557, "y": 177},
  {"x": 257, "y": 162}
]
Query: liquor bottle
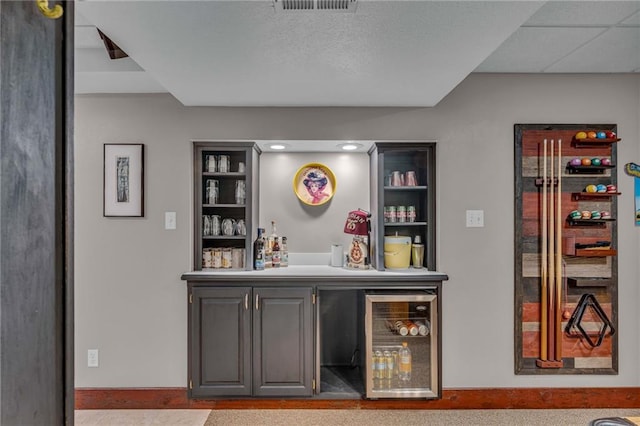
[
  {"x": 258, "y": 251},
  {"x": 275, "y": 253},
  {"x": 404, "y": 369},
  {"x": 284, "y": 253}
]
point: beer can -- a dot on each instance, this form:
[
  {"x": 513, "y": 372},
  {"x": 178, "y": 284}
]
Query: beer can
[
  {"x": 401, "y": 328},
  {"x": 423, "y": 327},
  {"x": 401, "y": 212},
  {"x": 386, "y": 214},
  {"x": 411, "y": 213},
  {"x": 216, "y": 258},
  {"x": 392, "y": 214}
]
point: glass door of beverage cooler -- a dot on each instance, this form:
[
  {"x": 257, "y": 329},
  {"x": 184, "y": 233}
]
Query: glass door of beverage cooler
[{"x": 401, "y": 345}]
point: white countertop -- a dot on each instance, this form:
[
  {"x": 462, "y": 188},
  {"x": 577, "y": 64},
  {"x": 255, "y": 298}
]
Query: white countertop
[{"x": 316, "y": 271}]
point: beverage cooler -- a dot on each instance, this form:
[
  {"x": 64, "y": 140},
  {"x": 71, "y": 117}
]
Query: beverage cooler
[{"x": 401, "y": 332}]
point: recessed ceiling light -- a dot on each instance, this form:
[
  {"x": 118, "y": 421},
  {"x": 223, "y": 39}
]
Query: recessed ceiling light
[
  {"x": 350, "y": 146},
  {"x": 278, "y": 146}
]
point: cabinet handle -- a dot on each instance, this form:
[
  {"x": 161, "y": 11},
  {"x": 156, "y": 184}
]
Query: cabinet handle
[
  {"x": 246, "y": 301},
  {"x": 257, "y": 298}
]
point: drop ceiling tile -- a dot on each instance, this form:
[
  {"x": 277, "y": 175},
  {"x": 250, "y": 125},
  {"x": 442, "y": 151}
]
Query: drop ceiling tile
[
  {"x": 616, "y": 50},
  {"x": 583, "y": 13},
  {"x": 534, "y": 49}
]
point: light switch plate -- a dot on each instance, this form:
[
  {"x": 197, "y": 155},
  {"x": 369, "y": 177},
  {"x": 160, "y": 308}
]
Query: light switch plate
[
  {"x": 475, "y": 218},
  {"x": 169, "y": 220}
]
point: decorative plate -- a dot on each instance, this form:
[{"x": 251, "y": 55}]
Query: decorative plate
[{"x": 314, "y": 184}]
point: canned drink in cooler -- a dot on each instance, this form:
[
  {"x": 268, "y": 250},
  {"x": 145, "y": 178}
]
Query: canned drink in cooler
[
  {"x": 401, "y": 212},
  {"x": 411, "y": 213}
]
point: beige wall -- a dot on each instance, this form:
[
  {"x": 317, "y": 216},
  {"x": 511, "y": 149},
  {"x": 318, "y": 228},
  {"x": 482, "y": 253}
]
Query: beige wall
[{"x": 131, "y": 304}]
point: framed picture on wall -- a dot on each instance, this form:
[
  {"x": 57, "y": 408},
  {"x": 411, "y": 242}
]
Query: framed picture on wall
[{"x": 123, "y": 180}]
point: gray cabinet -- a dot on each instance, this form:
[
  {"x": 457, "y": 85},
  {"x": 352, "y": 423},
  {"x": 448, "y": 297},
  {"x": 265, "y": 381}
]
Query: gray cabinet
[
  {"x": 403, "y": 196},
  {"x": 220, "y": 341},
  {"x": 250, "y": 341},
  {"x": 283, "y": 342},
  {"x": 225, "y": 204}
]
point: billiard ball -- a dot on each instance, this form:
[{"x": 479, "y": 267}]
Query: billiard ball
[
  {"x": 601, "y": 188},
  {"x": 610, "y": 135},
  {"x": 581, "y": 135},
  {"x": 595, "y": 161},
  {"x": 591, "y": 188},
  {"x": 586, "y": 161},
  {"x": 576, "y": 162},
  {"x": 605, "y": 161},
  {"x": 605, "y": 215},
  {"x": 592, "y": 135},
  {"x": 586, "y": 214},
  {"x": 601, "y": 135},
  {"x": 612, "y": 189},
  {"x": 595, "y": 214},
  {"x": 575, "y": 214}
]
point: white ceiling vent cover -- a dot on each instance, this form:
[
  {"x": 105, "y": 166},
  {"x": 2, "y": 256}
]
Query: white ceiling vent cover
[{"x": 315, "y": 5}]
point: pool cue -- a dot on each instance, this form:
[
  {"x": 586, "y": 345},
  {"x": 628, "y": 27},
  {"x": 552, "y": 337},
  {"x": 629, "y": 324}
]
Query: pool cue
[
  {"x": 543, "y": 261},
  {"x": 558, "y": 306},
  {"x": 551, "y": 273}
]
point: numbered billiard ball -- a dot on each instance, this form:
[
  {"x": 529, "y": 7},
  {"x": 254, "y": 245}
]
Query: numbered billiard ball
[
  {"x": 601, "y": 135},
  {"x": 576, "y": 162},
  {"x": 612, "y": 189},
  {"x": 595, "y": 161},
  {"x": 586, "y": 214},
  {"x": 586, "y": 161},
  {"x": 591, "y": 188},
  {"x": 581, "y": 135},
  {"x": 575, "y": 214},
  {"x": 610, "y": 135},
  {"x": 595, "y": 214},
  {"x": 605, "y": 215},
  {"x": 592, "y": 135},
  {"x": 605, "y": 161},
  {"x": 601, "y": 188}
]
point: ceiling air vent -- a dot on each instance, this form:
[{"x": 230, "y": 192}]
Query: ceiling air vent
[{"x": 315, "y": 5}]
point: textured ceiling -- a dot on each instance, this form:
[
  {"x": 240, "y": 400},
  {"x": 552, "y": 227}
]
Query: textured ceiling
[{"x": 387, "y": 53}]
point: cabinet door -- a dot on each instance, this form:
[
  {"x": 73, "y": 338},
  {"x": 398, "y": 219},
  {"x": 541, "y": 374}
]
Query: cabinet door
[
  {"x": 220, "y": 343},
  {"x": 283, "y": 342}
]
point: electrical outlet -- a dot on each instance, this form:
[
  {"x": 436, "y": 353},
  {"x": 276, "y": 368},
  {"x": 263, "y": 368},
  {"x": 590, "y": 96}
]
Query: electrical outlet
[
  {"x": 475, "y": 218},
  {"x": 169, "y": 220},
  {"x": 92, "y": 358}
]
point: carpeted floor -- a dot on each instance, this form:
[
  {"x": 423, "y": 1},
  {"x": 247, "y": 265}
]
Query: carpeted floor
[{"x": 414, "y": 417}]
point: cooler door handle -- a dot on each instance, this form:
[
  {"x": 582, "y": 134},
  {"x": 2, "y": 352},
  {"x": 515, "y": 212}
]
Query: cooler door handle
[
  {"x": 257, "y": 301},
  {"x": 246, "y": 301}
]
